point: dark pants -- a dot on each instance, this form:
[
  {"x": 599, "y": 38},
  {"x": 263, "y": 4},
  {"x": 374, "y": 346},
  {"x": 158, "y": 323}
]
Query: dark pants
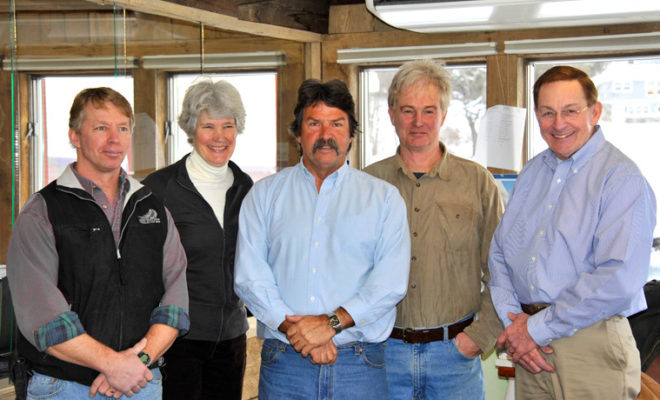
[{"x": 205, "y": 370}]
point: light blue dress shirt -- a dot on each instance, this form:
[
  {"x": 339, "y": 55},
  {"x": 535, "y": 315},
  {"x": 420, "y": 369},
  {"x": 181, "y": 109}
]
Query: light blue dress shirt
[
  {"x": 301, "y": 252},
  {"x": 576, "y": 234}
]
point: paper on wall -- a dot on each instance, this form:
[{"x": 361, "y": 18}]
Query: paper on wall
[{"x": 500, "y": 138}]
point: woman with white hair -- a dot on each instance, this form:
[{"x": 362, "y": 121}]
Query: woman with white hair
[{"x": 204, "y": 191}]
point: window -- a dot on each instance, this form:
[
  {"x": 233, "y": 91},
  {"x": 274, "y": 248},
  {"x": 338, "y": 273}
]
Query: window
[
  {"x": 630, "y": 120},
  {"x": 256, "y": 147},
  {"x": 51, "y": 99},
  {"x": 459, "y": 133}
]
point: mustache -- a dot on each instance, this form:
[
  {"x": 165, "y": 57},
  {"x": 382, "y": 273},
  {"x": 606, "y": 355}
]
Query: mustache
[{"x": 325, "y": 142}]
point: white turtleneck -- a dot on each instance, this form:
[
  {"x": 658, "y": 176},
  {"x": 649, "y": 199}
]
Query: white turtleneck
[{"x": 211, "y": 182}]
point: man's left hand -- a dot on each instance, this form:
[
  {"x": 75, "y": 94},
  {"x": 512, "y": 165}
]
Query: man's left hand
[
  {"x": 466, "y": 346},
  {"x": 308, "y": 332}
]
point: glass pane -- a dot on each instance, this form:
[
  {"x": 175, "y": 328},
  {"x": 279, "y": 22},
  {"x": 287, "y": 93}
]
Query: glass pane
[
  {"x": 459, "y": 133},
  {"x": 54, "y": 151},
  {"x": 630, "y": 92},
  {"x": 256, "y": 147}
]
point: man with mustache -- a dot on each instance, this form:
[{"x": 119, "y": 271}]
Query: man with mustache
[
  {"x": 322, "y": 260},
  {"x": 571, "y": 255},
  {"x": 447, "y": 318}
]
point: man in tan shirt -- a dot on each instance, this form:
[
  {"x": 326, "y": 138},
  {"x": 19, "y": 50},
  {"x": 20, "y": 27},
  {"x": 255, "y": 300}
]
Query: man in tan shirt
[{"x": 447, "y": 318}]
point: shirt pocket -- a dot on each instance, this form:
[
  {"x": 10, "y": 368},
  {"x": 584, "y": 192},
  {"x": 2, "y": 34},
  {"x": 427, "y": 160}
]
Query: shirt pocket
[{"x": 459, "y": 224}]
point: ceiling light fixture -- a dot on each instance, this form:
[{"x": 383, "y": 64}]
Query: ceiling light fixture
[{"x": 428, "y": 16}]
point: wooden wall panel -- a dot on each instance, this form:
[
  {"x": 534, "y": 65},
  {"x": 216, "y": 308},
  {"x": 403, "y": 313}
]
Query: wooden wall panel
[
  {"x": 5, "y": 164},
  {"x": 289, "y": 79},
  {"x": 505, "y": 80},
  {"x": 146, "y": 139}
]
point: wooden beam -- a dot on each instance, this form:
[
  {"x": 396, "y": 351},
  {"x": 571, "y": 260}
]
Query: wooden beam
[
  {"x": 176, "y": 11},
  {"x": 307, "y": 15}
]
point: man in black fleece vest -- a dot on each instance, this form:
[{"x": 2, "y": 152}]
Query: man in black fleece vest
[{"x": 96, "y": 268}]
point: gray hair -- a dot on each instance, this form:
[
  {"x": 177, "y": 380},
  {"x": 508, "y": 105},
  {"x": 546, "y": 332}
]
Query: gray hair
[
  {"x": 416, "y": 70},
  {"x": 219, "y": 99}
]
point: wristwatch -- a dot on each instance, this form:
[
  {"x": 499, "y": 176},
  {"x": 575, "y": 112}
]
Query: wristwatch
[
  {"x": 334, "y": 322},
  {"x": 145, "y": 358}
]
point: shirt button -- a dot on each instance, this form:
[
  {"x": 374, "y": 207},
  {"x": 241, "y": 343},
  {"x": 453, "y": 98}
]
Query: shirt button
[
  {"x": 532, "y": 287},
  {"x": 416, "y": 209},
  {"x": 418, "y": 184},
  {"x": 318, "y": 219},
  {"x": 549, "y": 205},
  {"x": 413, "y": 285},
  {"x": 541, "y": 233},
  {"x": 413, "y": 258},
  {"x": 558, "y": 180},
  {"x": 313, "y": 270},
  {"x": 105, "y": 206},
  {"x": 316, "y": 244},
  {"x": 575, "y": 171},
  {"x": 415, "y": 234},
  {"x": 533, "y": 258},
  {"x": 312, "y": 298}
]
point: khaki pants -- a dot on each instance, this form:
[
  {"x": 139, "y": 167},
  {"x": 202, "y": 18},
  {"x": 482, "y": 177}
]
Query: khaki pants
[{"x": 599, "y": 362}]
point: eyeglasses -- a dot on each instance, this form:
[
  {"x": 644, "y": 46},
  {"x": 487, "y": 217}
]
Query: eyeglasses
[{"x": 568, "y": 114}]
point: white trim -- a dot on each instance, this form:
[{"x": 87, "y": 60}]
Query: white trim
[
  {"x": 634, "y": 41},
  {"x": 69, "y": 64},
  {"x": 224, "y": 60},
  {"x": 376, "y": 54}
]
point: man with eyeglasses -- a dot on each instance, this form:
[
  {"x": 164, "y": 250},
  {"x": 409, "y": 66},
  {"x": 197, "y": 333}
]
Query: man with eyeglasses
[{"x": 570, "y": 257}]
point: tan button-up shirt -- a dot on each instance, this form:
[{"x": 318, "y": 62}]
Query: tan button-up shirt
[{"x": 453, "y": 211}]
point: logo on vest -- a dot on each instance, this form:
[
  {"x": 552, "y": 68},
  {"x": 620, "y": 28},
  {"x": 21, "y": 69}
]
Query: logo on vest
[{"x": 151, "y": 217}]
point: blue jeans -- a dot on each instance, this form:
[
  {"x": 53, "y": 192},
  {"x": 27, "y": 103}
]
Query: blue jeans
[
  {"x": 45, "y": 387},
  {"x": 435, "y": 370},
  {"x": 358, "y": 373}
]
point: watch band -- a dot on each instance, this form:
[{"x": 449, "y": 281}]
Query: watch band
[{"x": 334, "y": 322}]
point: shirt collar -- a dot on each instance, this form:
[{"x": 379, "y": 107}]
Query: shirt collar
[
  {"x": 440, "y": 169},
  {"x": 89, "y": 186},
  {"x": 580, "y": 157},
  {"x": 335, "y": 178}
]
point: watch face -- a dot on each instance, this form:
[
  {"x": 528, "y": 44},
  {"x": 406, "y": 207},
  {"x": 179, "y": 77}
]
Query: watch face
[
  {"x": 334, "y": 322},
  {"x": 144, "y": 357}
]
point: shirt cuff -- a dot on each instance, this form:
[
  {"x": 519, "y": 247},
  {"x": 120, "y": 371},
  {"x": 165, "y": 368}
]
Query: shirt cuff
[
  {"x": 172, "y": 316},
  {"x": 64, "y": 327},
  {"x": 538, "y": 329}
]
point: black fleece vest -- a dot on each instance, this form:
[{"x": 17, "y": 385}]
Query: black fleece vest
[
  {"x": 216, "y": 312},
  {"x": 113, "y": 290}
]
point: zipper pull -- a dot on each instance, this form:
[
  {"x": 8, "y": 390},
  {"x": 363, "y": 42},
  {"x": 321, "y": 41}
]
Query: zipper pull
[{"x": 122, "y": 281}]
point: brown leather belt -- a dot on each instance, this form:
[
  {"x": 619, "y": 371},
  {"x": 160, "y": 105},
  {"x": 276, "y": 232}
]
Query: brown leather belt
[
  {"x": 409, "y": 335},
  {"x": 532, "y": 309}
]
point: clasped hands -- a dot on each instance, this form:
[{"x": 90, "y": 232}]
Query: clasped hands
[
  {"x": 521, "y": 347},
  {"x": 126, "y": 374},
  {"x": 311, "y": 335}
]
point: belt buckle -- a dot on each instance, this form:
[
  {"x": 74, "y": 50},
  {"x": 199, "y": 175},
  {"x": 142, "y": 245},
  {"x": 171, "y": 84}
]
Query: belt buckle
[{"x": 409, "y": 331}]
